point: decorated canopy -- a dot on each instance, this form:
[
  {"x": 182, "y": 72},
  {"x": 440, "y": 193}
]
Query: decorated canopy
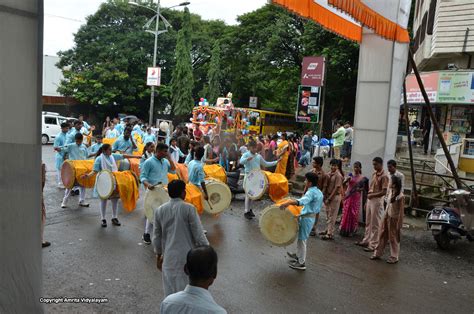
[{"x": 387, "y": 18}]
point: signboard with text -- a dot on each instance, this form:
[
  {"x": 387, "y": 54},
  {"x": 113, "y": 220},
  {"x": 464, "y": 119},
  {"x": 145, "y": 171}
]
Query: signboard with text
[
  {"x": 312, "y": 71},
  {"x": 442, "y": 87},
  {"x": 307, "y": 109},
  {"x": 253, "y": 102},
  {"x": 153, "y": 76}
]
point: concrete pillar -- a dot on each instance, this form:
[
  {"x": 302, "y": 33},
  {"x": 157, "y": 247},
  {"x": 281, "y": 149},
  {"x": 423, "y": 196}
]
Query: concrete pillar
[
  {"x": 382, "y": 67},
  {"x": 21, "y": 41}
]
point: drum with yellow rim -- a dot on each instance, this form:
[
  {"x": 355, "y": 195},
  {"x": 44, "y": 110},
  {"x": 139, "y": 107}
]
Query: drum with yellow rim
[
  {"x": 257, "y": 183},
  {"x": 219, "y": 197},
  {"x": 280, "y": 226},
  {"x": 72, "y": 171},
  {"x": 121, "y": 184}
]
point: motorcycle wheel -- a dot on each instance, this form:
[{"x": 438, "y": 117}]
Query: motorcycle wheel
[{"x": 443, "y": 240}]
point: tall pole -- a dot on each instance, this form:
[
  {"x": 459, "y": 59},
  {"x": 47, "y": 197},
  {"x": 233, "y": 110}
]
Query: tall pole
[
  {"x": 322, "y": 105},
  {"x": 434, "y": 121},
  {"x": 152, "y": 96},
  {"x": 414, "y": 192}
]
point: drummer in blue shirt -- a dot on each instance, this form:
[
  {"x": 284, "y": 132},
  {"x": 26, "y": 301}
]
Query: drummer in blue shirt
[
  {"x": 60, "y": 141},
  {"x": 149, "y": 137},
  {"x": 95, "y": 148},
  {"x": 72, "y": 133},
  {"x": 253, "y": 161},
  {"x": 75, "y": 151},
  {"x": 124, "y": 144},
  {"x": 196, "y": 171},
  {"x": 312, "y": 202},
  {"x": 153, "y": 172}
]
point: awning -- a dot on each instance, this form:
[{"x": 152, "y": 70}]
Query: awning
[{"x": 387, "y": 18}]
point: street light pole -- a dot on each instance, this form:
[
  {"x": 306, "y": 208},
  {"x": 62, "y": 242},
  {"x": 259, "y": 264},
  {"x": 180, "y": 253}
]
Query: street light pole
[{"x": 152, "y": 96}]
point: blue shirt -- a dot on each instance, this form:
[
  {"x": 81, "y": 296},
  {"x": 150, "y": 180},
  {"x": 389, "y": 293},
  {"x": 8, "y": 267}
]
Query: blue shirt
[
  {"x": 60, "y": 141},
  {"x": 255, "y": 163},
  {"x": 76, "y": 152},
  {"x": 155, "y": 171},
  {"x": 95, "y": 148},
  {"x": 196, "y": 172},
  {"x": 119, "y": 127},
  {"x": 189, "y": 158},
  {"x": 98, "y": 161},
  {"x": 192, "y": 300},
  {"x": 123, "y": 145},
  {"x": 71, "y": 136},
  {"x": 112, "y": 134},
  {"x": 312, "y": 202},
  {"x": 149, "y": 138}
]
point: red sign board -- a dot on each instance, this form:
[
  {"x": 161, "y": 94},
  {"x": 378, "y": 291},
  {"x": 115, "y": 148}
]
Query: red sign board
[{"x": 312, "y": 73}]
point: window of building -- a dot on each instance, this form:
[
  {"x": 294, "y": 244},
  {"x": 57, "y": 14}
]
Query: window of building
[{"x": 431, "y": 17}]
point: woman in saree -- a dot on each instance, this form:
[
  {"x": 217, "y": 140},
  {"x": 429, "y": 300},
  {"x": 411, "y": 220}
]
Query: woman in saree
[
  {"x": 283, "y": 151},
  {"x": 357, "y": 184},
  {"x": 292, "y": 150}
]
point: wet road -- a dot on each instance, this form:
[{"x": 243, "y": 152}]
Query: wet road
[{"x": 86, "y": 260}]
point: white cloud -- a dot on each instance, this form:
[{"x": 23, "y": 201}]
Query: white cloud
[{"x": 64, "y": 17}]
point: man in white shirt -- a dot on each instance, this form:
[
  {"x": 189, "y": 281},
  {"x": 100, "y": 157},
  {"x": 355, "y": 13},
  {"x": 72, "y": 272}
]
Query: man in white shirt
[
  {"x": 201, "y": 267},
  {"x": 177, "y": 230}
]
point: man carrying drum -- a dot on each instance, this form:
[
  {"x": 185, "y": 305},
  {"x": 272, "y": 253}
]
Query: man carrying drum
[
  {"x": 75, "y": 151},
  {"x": 196, "y": 171},
  {"x": 312, "y": 202},
  {"x": 154, "y": 172},
  {"x": 252, "y": 161},
  {"x": 125, "y": 144},
  {"x": 60, "y": 141}
]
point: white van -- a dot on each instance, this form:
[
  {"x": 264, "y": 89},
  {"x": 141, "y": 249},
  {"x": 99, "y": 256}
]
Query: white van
[{"x": 50, "y": 126}]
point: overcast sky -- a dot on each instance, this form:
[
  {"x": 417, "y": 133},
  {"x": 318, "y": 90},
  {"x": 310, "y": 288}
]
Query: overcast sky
[{"x": 64, "y": 17}]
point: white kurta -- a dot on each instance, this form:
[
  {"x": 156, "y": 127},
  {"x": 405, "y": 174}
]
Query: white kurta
[{"x": 177, "y": 230}]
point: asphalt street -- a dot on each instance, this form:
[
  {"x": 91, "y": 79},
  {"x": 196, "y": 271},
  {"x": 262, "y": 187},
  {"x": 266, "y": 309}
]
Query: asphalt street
[{"x": 86, "y": 260}]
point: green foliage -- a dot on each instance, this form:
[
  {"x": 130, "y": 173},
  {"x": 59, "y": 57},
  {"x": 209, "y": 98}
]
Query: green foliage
[
  {"x": 261, "y": 56},
  {"x": 214, "y": 75},
  {"x": 182, "y": 82}
]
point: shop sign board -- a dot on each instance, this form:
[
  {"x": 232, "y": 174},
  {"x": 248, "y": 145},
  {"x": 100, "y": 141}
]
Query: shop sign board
[
  {"x": 444, "y": 87},
  {"x": 153, "y": 76},
  {"x": 307, "y": 108},
  {"x": 312, "y": 71}
]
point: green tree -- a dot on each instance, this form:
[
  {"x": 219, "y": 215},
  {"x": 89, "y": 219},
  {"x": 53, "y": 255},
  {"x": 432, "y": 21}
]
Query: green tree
[
  {"x": 214, "y": 75},
  {"x": 182, "y": 81}
]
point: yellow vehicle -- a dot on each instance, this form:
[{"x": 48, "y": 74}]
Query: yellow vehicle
[
  {"x": 266, "y": 122},
  {"x": 253, "y": 121}
]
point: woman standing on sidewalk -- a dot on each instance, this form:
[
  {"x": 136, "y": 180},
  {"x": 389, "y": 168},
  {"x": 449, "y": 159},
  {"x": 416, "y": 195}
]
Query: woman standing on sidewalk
[{"x": 357, "y": 184}]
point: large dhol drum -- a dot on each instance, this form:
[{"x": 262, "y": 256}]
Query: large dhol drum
[
  {"x": 72, "y": 170},
  {"x": 123, "y": 165},
  {"x": 154, "y": 199},
  {"x": 278, "y": 226},
  {"x": 258, "y": 183},
  {"x": 107, "y": 183},
  {"x": 255, "y": 184},
  {"x": 216, "y": 172},
  {"x": 219, "y": 195}
]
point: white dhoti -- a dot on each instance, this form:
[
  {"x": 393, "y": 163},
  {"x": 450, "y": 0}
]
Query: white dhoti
[{"x": 174, "y": 281}]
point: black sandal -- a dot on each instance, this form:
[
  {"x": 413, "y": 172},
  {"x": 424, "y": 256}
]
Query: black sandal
[
  {"x": 116, "y": 222},
  {"x": 104, "y": 223}
]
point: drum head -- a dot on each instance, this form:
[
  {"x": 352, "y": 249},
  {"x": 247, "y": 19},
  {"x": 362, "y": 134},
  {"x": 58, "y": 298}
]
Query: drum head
[
  {"x": 68, "y": 175},
  {"x": 124, "y": 165},
  {"x": 256, "y": 184},
  {"x": 219, "y": 197},
  {"x": 105, "y": 184},
  {"x": 280, "y": 227},
  {"x": 154, "y": 199}
]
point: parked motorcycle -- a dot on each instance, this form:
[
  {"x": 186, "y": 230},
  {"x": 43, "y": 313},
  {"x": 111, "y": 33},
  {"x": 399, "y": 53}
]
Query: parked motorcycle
[{"x": 449, "y": 224}]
